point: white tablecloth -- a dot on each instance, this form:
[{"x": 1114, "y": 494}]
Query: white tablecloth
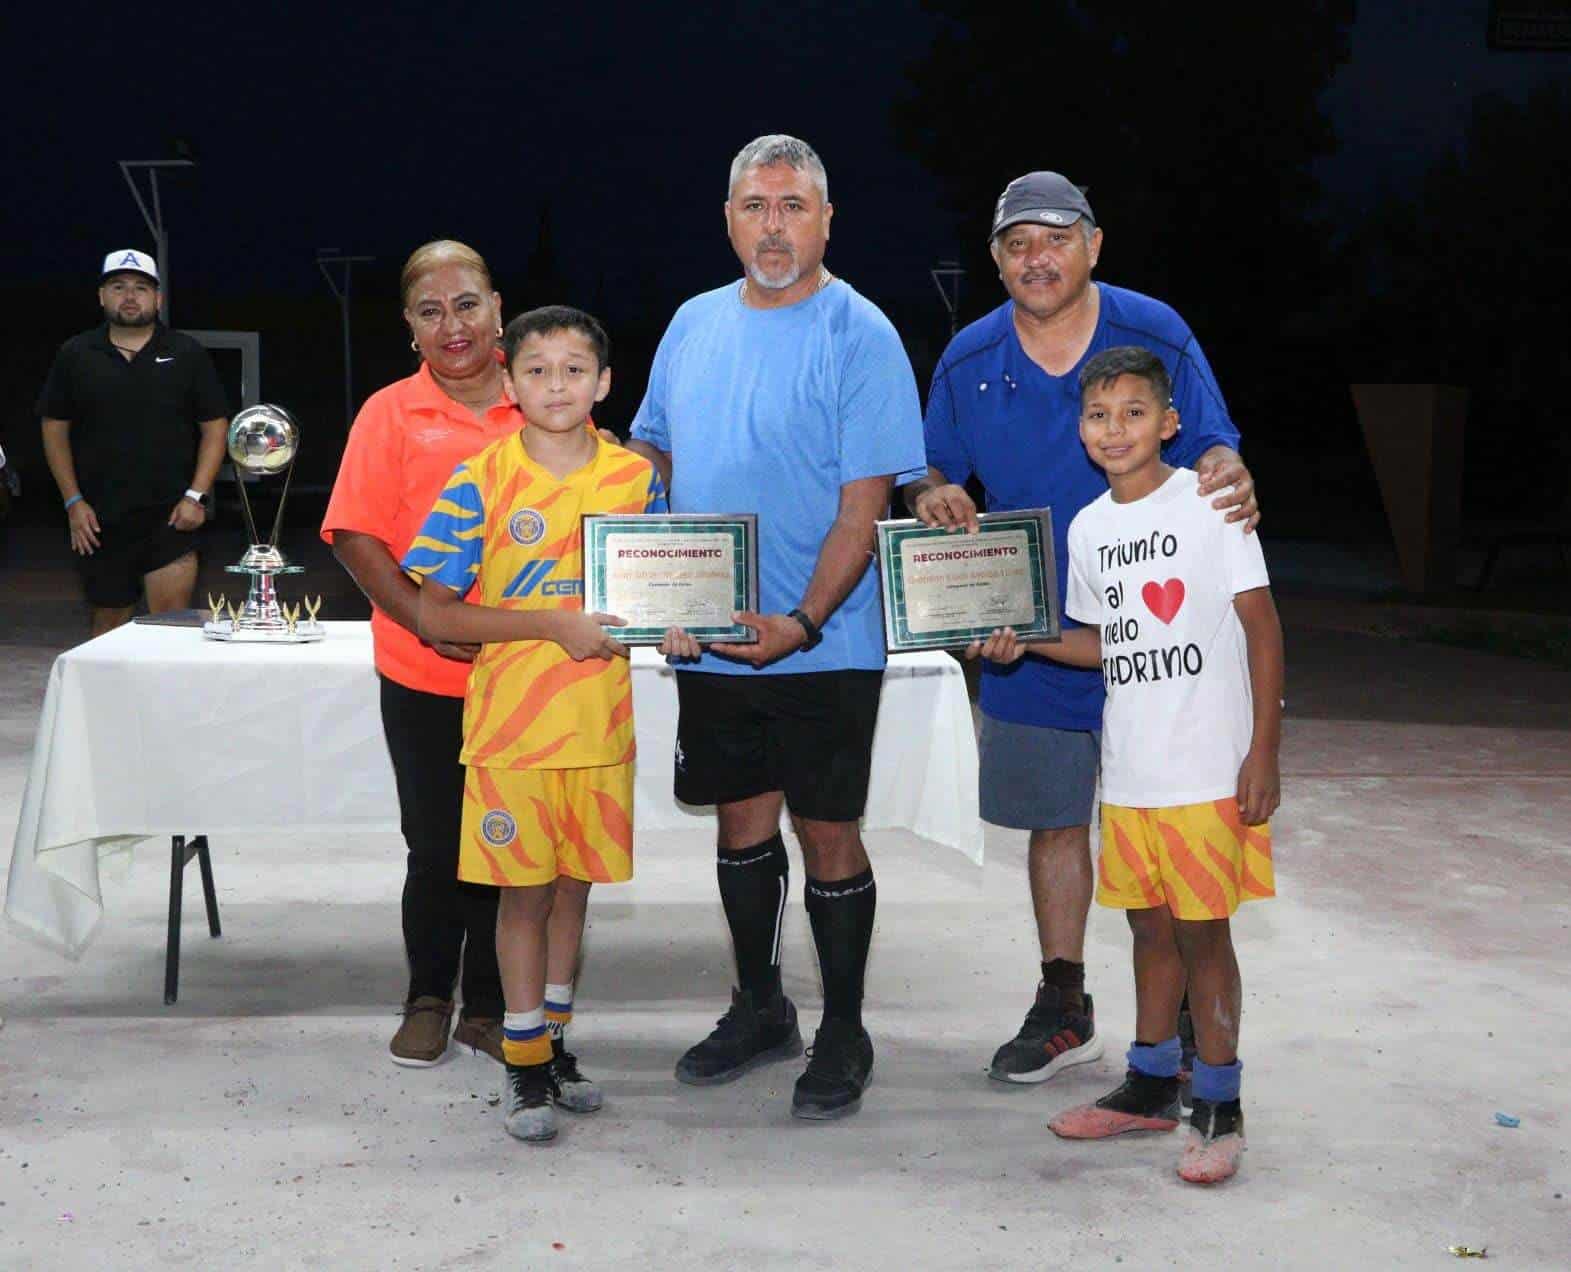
[{"x": 156, "y": 731}]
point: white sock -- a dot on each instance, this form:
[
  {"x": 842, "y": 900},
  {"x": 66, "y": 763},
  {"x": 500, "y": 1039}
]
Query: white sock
[{"x": 558, "y": 1008}]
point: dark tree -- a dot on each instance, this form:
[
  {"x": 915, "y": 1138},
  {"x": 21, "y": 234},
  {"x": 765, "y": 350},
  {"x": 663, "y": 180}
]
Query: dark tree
[
  {"x": 1467, "y": 283},
  {"x": 1194, "y": 127}
]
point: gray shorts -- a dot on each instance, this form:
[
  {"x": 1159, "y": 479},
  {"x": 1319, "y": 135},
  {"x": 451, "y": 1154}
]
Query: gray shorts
[{"x": 1037, "y": 778}]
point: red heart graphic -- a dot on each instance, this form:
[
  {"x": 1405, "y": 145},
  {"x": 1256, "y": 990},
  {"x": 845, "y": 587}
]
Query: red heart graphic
[{"x": 1164, "y": 599}]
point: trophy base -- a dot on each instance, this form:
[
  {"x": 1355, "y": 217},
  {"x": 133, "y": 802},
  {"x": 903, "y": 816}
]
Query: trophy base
[{"x": 302, "y": 634}]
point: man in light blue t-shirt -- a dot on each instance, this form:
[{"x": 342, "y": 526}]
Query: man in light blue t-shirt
[
  {"x": 1005, "y": 408},
  {"x": 788, "y": 395}
]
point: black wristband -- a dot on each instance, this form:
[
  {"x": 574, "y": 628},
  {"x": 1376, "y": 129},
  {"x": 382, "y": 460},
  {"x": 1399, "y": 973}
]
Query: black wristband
[{"x": 814, "y": 634}]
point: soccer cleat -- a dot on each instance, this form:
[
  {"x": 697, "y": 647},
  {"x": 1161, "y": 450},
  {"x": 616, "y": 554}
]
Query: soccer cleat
[
  {"x": 744, "y": 1038},
  {"x": 574, "y": 1092},
  {"x": 1215, "y": 1142},
  {"x": 839, "y": 1067},
  {"x": 1143, "y": 1103},
  {"x": 1053, "y": 1038},
  {"x": 1186, "y": 1063},
  {"x": 528, "y": 1114},
  {"x": 421, "y": 1040}
]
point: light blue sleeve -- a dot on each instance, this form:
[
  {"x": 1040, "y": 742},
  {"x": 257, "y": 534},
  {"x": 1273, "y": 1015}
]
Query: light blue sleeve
[
  {"x": 880, "y": 410},
  {"x": 651, "y": 424},
  {"x": 450, "y": 543}
]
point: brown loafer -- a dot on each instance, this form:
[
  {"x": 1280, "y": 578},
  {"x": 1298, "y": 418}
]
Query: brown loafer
[
  {"x": 421, "y": 1041},
  {"x": 482, "y": 1034}
]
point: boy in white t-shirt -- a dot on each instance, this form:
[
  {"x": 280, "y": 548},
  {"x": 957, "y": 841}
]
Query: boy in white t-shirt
[{"x": 1179, "y": 616}]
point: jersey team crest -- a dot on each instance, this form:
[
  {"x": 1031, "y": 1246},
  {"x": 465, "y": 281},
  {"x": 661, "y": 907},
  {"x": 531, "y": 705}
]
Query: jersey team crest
[
  {"x": 498, "y": 828},
  {"x": 526, "y": 526}
]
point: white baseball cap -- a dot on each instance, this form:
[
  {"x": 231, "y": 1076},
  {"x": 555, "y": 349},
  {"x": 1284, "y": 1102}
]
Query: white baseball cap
[{"x": 128, "y": 259}]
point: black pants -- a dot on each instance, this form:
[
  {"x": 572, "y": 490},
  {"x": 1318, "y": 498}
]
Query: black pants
[{"x": 445, "y": 921}]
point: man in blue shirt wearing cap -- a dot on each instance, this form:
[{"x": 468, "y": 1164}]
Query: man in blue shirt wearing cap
[{"x": 1005, "y": 408}]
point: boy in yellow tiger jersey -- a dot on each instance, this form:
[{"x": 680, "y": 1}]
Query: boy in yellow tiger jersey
[{"x": 548, "y": 712}]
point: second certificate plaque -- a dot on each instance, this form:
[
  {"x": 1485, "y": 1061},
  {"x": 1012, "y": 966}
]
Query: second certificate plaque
[
  {"x": 943, "y": 589},
  {"x": 660, "y": 570}
]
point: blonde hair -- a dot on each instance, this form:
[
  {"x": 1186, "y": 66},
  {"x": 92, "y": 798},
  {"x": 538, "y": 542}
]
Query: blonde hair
[{"x": 433, "y": 255}]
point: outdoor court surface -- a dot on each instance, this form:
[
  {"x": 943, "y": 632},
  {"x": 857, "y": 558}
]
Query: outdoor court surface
[{"x": 1409, "y": 983}]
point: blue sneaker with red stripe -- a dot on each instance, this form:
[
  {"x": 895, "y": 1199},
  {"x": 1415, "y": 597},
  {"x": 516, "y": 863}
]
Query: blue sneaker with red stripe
[{"x": 1055, "y": 1036}]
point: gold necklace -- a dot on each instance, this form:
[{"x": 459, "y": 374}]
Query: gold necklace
[{"x": 824, "y": 279}]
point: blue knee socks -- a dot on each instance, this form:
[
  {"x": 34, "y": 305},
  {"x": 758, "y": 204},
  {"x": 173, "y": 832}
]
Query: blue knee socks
[
  {"x": 1156, "y": 1061},
  {"x": 1216, "y": 1082}
]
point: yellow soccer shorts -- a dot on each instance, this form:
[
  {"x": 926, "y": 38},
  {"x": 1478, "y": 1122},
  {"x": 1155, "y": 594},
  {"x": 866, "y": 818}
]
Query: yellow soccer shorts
[
  {"x": 1199, "y": 860},
  {"x": 524, "y": 827}
]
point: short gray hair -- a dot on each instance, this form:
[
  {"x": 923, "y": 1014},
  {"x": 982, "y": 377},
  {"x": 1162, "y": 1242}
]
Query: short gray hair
[{"x": 775, "y": 148}]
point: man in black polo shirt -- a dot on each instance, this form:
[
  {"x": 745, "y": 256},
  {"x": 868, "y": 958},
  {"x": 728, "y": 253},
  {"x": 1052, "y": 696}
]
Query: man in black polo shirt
[{"x": 134, "y": 422}]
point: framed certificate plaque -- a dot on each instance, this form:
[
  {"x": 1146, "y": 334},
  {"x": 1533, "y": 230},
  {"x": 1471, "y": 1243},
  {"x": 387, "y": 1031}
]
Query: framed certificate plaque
[
  {"x": 942, "y": 589},
  {"x": 660, "y": 570}
]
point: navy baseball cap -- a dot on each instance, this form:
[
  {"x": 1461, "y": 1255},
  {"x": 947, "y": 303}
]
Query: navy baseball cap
[{"x": 1043, "y": 198}]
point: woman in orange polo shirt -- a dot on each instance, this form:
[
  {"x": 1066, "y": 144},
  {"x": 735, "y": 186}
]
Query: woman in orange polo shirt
[{"x": 404, "y": 445}]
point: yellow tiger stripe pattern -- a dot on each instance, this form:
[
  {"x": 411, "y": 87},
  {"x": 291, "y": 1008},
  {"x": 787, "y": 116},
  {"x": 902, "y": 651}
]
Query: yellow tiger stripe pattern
[
  {"x": 1199, "y": 860},
  {"x": 524, "y": 827}
]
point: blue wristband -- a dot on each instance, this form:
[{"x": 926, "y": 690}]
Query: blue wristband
[{"x": 74, "y": 499}]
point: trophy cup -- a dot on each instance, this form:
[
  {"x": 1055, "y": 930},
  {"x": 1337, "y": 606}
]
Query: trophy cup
[{"x": 263, "y": 440}]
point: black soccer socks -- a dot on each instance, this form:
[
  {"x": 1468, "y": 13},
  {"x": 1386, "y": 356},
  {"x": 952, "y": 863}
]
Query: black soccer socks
[
  {"x": 841, "y": 913},
  {"x": 753, "y": 885}
]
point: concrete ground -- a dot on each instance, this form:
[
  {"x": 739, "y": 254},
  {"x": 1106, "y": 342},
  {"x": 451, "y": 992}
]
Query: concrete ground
[{"x": 1406, "y": 986}]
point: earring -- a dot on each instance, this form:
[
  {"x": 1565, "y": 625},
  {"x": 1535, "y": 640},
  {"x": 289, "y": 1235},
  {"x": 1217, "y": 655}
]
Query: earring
[
  {"x": 498, "y": 331},
  {"x": 415, "y": 345}
]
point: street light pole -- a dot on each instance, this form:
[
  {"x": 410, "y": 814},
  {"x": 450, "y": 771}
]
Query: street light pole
[
  {"x": 946, "y": 277},
  {"x": 155, "y": 218},
  {"x": 326, "y": 256}
]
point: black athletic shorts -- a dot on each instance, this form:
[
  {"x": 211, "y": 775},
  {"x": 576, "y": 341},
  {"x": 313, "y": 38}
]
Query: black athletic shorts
[
  {"x": 808, "y": 735},
  {"x": 138, "y": 543}
]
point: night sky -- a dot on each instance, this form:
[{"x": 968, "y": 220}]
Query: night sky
[
  {"x": 371, "y": 132},
  {"x": 374, "y": 131}
]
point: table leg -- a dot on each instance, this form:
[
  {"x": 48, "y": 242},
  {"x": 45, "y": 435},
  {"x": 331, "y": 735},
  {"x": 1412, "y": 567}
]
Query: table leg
[
  {"x": 177, "y": 860},
  {"x": 209, "y": 893}
]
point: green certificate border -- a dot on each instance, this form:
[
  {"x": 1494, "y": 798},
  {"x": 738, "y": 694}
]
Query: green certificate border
[
  {"x": 1037, "y": 523},
  {"x": 743, "y": 530}
]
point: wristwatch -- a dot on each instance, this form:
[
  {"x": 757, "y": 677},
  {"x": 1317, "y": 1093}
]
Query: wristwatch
[
  {"x": 814, "y": 632},
  {"x": 201, "y": 499}
]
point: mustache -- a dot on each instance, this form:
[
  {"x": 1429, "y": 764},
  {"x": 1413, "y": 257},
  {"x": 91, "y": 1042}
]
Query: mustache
[{"x": 774, "y": 243}]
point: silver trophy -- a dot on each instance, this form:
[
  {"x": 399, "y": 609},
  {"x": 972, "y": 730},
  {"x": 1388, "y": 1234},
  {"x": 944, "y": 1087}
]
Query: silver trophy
[{"x": 263, "y": 440}]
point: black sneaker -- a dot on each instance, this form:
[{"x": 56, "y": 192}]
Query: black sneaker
[
  {"x": 1053, "y": 1038},
  {"x": 574, "y": 1092},
  {"x": 1215, "y": 1142},
  {"x": 1186, "y": 1063},
  {"x": 1142, "y": 1103},
  {"x": 839, "y": 1067},
  {"x": 527, "y": 1112},
  {"x": 744, "y": 1038}
]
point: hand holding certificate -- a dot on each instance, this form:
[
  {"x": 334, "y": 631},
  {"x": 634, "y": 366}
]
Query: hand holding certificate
[
  {"x": 659, "y": 571},
  {"x": 943, "y": 590}
]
